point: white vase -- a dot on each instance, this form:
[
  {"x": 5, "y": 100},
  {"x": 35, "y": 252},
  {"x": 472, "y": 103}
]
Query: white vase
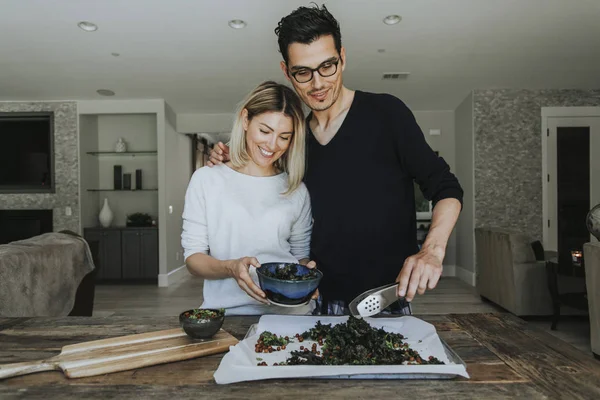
[
  {"x": 121, "y": 146},
  {"x": 106, "y": 215}
]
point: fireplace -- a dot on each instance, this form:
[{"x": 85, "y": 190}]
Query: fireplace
[{"x": 23, "y": 224}]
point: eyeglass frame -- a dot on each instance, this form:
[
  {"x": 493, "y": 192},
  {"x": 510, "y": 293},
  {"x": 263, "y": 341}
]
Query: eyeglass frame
[{"x": 313, "y": 70}]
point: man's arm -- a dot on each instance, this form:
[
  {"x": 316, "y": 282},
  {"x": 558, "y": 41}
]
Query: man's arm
[{"x": 423, "y": 270}]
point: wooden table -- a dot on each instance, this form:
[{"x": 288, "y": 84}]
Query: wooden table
[
  {"x": 506, "y": 358},
  {"x": 556, "y": 268}
]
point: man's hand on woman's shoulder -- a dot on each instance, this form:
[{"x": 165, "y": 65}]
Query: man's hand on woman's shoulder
[{"x": 218, "y": 155}]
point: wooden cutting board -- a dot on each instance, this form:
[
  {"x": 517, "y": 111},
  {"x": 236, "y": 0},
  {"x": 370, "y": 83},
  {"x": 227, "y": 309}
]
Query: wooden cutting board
[{"x": 124, "y": 353}]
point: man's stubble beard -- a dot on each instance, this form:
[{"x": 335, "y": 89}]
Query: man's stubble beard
[{"x": 335, "y": 93}]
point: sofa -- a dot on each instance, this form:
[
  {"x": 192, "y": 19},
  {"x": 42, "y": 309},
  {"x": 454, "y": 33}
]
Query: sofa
[
  {"x": 48, "y": 275},
  {"x": 508, "y": 273},
  {"x": 591, "y": 257}
]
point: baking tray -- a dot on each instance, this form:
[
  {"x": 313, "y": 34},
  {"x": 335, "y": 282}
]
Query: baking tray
[{"x": 240, "y": 364}]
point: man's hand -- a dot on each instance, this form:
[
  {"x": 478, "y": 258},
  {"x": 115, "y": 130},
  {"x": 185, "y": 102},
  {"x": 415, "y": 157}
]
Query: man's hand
[
  {"x": 218, "y": 155},
  {"x": 420, "y": 272},
  {"x": 423, "y": 270},
  {"x": 311, "y": 265}
]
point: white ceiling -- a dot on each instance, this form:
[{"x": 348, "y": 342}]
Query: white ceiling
[{"x": 184, "y": 51}]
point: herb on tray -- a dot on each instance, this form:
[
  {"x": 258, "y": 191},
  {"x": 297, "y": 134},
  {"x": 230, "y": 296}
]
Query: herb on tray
[
  {"x": 355, "y": 342},
  {"x": 289, "y": 273},
  {"x": 200, "y": 313},
  {"x": 269, "y": 342},
  {"x": 319, "y": 332}
]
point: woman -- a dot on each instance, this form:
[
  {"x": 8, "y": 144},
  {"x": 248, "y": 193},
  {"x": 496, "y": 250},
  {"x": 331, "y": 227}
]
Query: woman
[{"x": 253, "y": 208}]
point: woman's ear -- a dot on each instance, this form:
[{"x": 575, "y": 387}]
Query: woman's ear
[{"x": 245, "y": 121}]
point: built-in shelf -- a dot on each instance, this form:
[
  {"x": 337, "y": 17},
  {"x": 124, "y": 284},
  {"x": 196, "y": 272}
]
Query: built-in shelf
[
  {"x": 122, "y": 190},
  {"x": 125, "y": 153}
]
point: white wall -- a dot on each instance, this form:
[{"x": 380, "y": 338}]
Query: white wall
[
  {"x": 138, "y": 131},
  {"x": 170, "y": 116},
  {"x": 178, "y": 149},
  {"x": 198, "y": 123},
  {"x": 445, "y": 145},
  {"x": 88, "y": 169},
  {"x": 465, "y": 257}
]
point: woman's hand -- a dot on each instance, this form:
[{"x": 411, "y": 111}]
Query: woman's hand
[
  {"x": 310, "y": 264},
  {"x": 238, "y": 269}
]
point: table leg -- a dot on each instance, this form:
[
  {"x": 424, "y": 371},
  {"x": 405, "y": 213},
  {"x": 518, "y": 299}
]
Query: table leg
[{"x": 552, "y": 276}]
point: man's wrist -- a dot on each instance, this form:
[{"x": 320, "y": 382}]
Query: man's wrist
[{"x": 435, "y": 249}]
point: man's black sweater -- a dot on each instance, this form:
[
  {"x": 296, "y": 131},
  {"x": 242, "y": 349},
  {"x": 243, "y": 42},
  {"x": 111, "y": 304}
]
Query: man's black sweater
[{"x": 362, "y": 194}]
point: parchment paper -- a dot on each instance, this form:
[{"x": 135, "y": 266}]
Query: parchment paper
[{"x": 240, "y": 364}]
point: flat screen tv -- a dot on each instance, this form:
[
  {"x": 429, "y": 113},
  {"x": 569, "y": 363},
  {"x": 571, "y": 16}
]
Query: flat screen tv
[{"x": 27, "y": 152}]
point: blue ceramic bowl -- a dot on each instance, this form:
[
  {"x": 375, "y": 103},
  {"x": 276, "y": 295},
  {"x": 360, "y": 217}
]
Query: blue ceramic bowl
[{"x": 287, "y": 292}]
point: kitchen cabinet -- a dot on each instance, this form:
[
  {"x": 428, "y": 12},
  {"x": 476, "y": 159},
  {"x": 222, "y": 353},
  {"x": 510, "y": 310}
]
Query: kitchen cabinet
[{"x": 125, "y": 253}]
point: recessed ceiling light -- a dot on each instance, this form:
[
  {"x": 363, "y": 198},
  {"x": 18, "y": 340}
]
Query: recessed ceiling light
[
  {"x": 237, "y": 23},
  {"x": 392, "y": 19},
  {"x": 381, "y": 50},
  {"x": 115, "y": 54},
  {"x": 88, "y": 26},
  {"x": 105, "y": 92}
]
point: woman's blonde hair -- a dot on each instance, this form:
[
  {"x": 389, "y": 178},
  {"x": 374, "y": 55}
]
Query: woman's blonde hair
[{"x": 272, "y": 97}]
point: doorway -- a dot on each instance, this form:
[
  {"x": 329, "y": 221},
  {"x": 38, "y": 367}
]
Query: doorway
[{"x": 571, "y": 177}]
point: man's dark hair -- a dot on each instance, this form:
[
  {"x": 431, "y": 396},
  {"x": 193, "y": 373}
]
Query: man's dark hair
[{"x": 305, "y": 25}]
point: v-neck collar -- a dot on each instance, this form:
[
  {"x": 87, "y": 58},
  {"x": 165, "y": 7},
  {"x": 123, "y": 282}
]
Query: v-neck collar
[{"x": 357, "y": 93}]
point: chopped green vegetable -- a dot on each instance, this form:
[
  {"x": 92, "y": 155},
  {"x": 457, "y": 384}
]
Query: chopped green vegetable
[
  {"x": 355, "y": 342},
  {"x": 199, "y": 313},
  {"x": 289, "y": 273}
]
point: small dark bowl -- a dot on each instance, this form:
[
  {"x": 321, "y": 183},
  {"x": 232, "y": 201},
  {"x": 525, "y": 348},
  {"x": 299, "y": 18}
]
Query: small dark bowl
[
  {"x": 201, "y": 328},
  {"x": 287, "y": 292}
]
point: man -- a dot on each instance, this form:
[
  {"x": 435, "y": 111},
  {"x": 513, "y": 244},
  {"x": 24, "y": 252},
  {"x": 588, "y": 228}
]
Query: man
[{"x": 364, "y": 150}]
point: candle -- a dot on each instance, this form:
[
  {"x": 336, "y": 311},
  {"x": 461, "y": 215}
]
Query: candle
[{"x": 576, "y": 256}]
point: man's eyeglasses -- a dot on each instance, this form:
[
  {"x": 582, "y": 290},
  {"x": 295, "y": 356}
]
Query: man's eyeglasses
[{"x": 305, "y": 74}]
